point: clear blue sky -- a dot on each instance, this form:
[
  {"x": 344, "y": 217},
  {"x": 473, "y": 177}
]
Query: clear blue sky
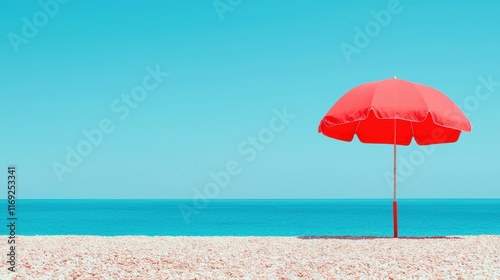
[{"x": 228, "y": 70}]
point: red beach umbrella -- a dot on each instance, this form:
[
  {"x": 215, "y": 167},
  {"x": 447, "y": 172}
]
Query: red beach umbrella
[{"x": 393, "y": 111}]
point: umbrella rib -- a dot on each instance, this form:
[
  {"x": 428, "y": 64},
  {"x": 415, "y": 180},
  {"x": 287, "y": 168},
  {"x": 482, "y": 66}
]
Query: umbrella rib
[
  {"x": 423, "y": 99},
  {"x": 356, "y": 129},
  {"x": 412, "y": 131},
  {"x": 371, "y": 102}
]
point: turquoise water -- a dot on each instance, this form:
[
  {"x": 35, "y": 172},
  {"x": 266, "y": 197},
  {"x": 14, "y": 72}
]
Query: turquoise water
[{"x": 257, "y": 217}]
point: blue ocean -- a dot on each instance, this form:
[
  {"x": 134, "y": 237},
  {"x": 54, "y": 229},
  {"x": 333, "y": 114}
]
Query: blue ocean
[{"x": 419, "y": 217}]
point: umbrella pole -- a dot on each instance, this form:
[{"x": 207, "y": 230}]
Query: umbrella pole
[{"x": 395, "y": 203}]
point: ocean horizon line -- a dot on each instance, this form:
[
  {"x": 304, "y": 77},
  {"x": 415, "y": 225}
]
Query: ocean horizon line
[{"x": 270, "y": 199}]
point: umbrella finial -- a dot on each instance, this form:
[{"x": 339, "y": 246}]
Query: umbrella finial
[{"x": 395, "y": 77}]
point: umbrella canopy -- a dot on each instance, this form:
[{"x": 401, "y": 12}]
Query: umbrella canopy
[{"x": 395, "y": 111}]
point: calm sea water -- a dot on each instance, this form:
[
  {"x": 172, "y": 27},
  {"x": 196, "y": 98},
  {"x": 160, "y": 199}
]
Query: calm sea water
[{"x": 257, "y": 217}]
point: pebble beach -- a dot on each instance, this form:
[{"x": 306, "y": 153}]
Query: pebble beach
[{"x": 141, "y": 257}]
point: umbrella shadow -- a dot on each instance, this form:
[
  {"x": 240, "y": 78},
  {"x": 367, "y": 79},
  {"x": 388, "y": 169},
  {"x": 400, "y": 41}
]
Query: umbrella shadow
[{"x": 349, "y": 237}]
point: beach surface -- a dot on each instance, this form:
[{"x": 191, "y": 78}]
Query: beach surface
[{"x": 141, "y": 257}]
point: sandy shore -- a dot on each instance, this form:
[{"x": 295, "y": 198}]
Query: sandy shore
[{"x": 139, "y": 257}]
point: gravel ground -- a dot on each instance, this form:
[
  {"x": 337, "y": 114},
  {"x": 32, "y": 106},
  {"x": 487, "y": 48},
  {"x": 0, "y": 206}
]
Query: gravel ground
[{"x": 141, "y": 257}]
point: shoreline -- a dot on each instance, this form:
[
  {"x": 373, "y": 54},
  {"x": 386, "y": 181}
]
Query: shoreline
[{"x": 237, "y": 257}]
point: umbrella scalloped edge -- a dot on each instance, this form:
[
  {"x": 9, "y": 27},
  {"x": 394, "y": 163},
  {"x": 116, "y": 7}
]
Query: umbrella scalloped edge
[{"x": 331, "y": 121}]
